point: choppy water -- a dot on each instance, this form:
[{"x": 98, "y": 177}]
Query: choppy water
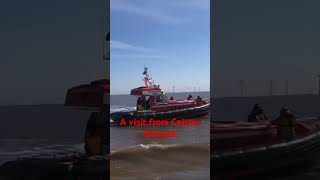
[
  {"x": 49, "y": 129},
  {"x": 135, "y": 157},
  {"x": 27, "y": 131},
  {"x": 159, "y": 161}
]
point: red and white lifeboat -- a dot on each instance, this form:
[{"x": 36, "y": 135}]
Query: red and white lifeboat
[{"x": 159, "y": 102}]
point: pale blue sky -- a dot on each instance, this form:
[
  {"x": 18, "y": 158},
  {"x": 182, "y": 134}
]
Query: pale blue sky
[{"x": 172, "y": 38}]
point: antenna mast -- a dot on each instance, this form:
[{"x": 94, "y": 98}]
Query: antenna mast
[{"x": 147, "y": 78}]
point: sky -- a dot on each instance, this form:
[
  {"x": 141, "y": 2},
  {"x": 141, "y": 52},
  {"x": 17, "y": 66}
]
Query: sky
[
  {"x": 259, "y": 41},
  {"x": 171, "y": 38},
  {"x": 49, "y": 46}
]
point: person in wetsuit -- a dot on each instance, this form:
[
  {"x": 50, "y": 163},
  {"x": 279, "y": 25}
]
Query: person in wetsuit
[
  {"x": 148, "y": 104},
  {"x": 143, "y": 103},
  {"x": 257, "y": 114},
  {"x": 198, "y": 101},
  {"x": 96, "y": 137},
  {"x": 139, "y": 106},
  {"x": 286, "y": 123}
]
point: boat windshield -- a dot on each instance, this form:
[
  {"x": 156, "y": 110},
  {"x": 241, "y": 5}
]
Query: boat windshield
[{"x": 161, "y": 98}]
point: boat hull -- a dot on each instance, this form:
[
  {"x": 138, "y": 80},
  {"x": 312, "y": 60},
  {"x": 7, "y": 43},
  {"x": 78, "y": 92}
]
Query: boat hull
[
  {"x": 243, "y": 162},
  {"x": 56, "y": 168},
  {"x": 169, "y": 115},
  {"x": 248, "y": 161}
]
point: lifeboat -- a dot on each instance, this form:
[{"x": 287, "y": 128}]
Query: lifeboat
[
  {"x": 155, "y": 104},
  {"x": 245, "y": 149}
]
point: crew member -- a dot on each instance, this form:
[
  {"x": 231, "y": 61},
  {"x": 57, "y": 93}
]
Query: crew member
[
  {"x": 257, "y": 114},
  {"x": 148, "y": 104},
  {"x": 139, "y": 106},
  {"x": 198, "y": 101},
  {"x": 190, "y": 97},
  {"x": 143, "y": 103},
  {"x": 171, "y": 98},
  {"x": 286, "y": 124},
  {"x": 96, "y": 135}
]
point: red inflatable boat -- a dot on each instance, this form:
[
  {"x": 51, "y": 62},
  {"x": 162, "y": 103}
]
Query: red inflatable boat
[{"x": 240, "y": 149}]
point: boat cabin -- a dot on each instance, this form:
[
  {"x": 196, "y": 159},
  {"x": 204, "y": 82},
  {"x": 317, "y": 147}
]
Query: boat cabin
[{"x": 153, "y": 96}]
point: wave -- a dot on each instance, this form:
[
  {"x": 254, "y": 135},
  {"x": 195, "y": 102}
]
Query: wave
[
  {"x": 152, "y": 160},
  {"x": 57, "y": 149},
  {"x": 118, "y": 108}
]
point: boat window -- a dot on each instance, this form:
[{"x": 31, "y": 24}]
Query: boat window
[{"x": 160, "y": 98}]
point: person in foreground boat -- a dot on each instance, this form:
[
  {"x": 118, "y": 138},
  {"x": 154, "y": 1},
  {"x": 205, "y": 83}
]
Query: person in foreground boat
[
  {"x": 257, "y": 114},
  {"x": 263, "y": 147},
  {"x": 286, "y": 124},
  {"x": 199, "y": 101}
]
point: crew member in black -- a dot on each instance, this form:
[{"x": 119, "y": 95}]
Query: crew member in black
[
  {"x": 139, "y": 104},
  {"x": 143, "y": 103},
  {"x": 257, "y": 114},
  {"x": 148, "y": 104}
]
